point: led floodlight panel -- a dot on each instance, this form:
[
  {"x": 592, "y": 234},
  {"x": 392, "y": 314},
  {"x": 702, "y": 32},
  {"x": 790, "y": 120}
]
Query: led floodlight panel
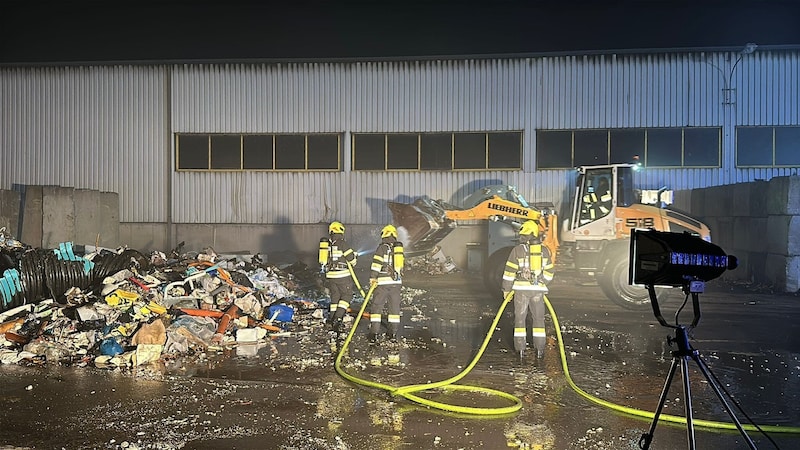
[{"x": 660, "y": 258}]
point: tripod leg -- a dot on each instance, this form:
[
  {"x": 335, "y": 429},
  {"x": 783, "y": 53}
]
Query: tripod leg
[
  {"x": 647, "y": 438},
  {"x": 687, "y": 404},
  {"x": 705, "y": 370}
]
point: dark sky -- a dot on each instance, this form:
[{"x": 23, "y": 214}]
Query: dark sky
[{"x": 81, "y": 31}]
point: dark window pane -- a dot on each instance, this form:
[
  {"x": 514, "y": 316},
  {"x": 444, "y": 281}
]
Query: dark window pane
[
  {"x": 754, "y": 146},
  {"x": 663, "y": 147},
  {"x": 401, "y": 151},
  {"x": 554, "y": 149},
  {"x": 591, "y": 147},
  {"x": 323, "y": 151},
  {"x": 436, "y": 151},
  {"x": 257, "y": 152},
  {"x": 226, "y": 152},
  {"x": 192, "y": 151},
  {"x": 505, "y": 150},
  {"x": 290, "y": 152},
  {"x": 787, "y": 146},
  {"x": 701, "y": 147},
  {"x": 369, "y": 151},
  {"x": 625, "y": 145},
  {"x": 469, "y": 151}
]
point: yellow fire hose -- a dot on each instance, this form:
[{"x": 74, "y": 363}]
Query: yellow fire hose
[
  {"x": 408, "y": 391},
  {"x": 648, "y": 414}
]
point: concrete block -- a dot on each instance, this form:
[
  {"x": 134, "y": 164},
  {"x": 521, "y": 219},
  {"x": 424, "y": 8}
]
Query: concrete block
[
  {"x": 783, "y": 272},
  {"x": 783, "y": 196},
  {"x": 751, "y": 268},
  {"x": 96, "y": 218},
  {"x": 749, "y": 234},
  {"x": 759, "y": 190},
  {"x": 58, "y": 215},
  {"x": 145, "y": 237},
  {"x": 719, "y": 202},
  {"x": 783, "y": 235},
  {"x": 9, "y": 211},
  {"x": 683, "y": 200},
  {"x": 698, "y": 205},
  {"x": 748, "y": 199},
  {"x": 722, "y": 234},
  {"x": 32, "y": 216}
]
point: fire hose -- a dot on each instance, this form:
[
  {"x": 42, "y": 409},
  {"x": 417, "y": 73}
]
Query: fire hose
[{"x": 409, "y": 391}]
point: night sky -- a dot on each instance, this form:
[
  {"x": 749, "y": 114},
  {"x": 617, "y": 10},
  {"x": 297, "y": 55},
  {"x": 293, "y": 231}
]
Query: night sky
[{"x": 65, "y": 31}]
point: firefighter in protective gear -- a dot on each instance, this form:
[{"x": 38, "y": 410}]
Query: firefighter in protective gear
[
  {"x": 596, "y": 202},
  {"x": 336, "y": 260},
  {"x": 528, "y": 271},
  {"x": 386, "y": 275}
]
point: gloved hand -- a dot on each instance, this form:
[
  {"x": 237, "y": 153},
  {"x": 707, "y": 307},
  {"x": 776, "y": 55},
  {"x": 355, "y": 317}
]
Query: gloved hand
[
  {"x": 505, "y": 294},
  {"x": 373, "y": 281}
]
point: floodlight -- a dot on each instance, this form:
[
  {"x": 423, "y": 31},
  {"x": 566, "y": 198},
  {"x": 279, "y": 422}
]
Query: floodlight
[{"x": 660, "y": 258}]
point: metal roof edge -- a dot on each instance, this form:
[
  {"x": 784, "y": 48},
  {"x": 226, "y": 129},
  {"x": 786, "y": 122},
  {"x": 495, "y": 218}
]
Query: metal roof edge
[{"x": 368, "y": 59}]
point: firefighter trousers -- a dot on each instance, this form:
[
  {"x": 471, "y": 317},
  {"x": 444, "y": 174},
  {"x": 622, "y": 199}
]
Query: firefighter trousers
[
  {"x": 381, "y": 296},
  {"x": 525, "y": 302}
]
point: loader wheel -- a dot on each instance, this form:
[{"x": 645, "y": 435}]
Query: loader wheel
[
  {"x": 614, "y": 284},
  {"x": 493, "y": 271}
]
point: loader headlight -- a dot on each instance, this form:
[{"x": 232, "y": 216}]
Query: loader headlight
[{"x": 659, "y": 258}]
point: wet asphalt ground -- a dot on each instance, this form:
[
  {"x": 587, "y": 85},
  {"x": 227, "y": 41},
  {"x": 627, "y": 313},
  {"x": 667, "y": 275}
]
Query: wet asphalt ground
[{"x": 285, "y": 393}]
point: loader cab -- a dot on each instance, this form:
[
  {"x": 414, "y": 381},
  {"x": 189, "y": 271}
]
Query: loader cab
[{"x": 598, "y": 191}]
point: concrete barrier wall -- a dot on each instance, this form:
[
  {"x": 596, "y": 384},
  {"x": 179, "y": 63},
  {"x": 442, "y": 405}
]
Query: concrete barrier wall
[
  {"x": 759, "y": 222},
  {"x": 54, "y": 214},
  {"x": 9, "y": 211}
]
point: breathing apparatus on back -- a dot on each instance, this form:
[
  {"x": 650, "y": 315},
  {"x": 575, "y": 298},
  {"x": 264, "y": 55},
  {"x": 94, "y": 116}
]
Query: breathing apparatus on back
[
  {"x": 394, "y": 256},
  {"x": 329, "y": 253}
]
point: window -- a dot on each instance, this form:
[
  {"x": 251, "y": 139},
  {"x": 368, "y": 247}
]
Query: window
[
  {"x": 701, "y": 147},
  {"x": 663, "y": 147},
  {"x": 222, "y": 152},
  {"x": 768, "y": 146},
  {"x": 591, "y": 147},
  {"x": 656, "y": 147},
  {"x": 192, "y": 150},
  {"x": 438, "y": 151},
  {"x": 554, "y": 149},
  {"x": 625, "y": 144}
]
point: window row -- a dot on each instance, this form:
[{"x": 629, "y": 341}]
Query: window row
[
  {"x": 756, "y": 146},
  {"x": 371, "y": 151},
  {"x": 258, "y": 152},
  {"x": 654, "y": 147},
  {"x": 438, "y": 151},
  {"x": 767, "y": 146}
]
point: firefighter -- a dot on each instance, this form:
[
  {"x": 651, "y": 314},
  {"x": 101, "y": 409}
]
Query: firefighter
[
  {"x": 596, "y": 202},
  {"x": 386, "y": 276},
  {"x": 337, "y": 260},
  {"x": 527, "y": 272}
]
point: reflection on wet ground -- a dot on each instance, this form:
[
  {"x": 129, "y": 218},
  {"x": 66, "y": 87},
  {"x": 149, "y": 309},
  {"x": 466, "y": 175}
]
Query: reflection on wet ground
[{"x": 285, "y": 394}]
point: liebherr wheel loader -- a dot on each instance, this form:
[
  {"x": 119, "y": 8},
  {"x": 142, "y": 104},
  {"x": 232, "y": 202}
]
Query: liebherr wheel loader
[{"x": 594, "y": 239}]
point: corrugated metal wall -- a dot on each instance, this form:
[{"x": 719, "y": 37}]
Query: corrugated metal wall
[
  {"x": 101, "y": 128},
  {"x": 110, "y": 128}
]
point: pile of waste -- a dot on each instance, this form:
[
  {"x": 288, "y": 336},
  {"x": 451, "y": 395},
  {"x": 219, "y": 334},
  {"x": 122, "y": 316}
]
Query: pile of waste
[{"x": 119, "y": 308}]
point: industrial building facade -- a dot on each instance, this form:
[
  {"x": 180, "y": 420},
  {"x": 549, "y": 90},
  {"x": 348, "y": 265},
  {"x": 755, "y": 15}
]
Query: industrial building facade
[{"x": 248, "y": 149}]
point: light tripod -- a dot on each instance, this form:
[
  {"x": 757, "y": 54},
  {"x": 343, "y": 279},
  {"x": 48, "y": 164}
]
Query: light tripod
[{"x": 681, "y": 357}]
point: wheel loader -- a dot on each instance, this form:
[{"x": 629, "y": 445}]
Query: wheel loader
[{"x": 594, "y": 240}]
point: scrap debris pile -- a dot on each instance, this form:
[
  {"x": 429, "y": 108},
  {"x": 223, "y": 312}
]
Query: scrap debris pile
[{"x": 120, "y": 308}]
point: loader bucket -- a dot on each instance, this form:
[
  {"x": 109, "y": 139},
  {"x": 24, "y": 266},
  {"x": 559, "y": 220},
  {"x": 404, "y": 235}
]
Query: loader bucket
[{"x": 424, "y": 224}]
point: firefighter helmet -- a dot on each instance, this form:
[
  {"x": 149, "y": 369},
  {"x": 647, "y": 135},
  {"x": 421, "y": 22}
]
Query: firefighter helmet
[
  {"x": 336, "y": 227},
  {"x": 529, "y": 228},
  {"x": 389, "y": 230}
]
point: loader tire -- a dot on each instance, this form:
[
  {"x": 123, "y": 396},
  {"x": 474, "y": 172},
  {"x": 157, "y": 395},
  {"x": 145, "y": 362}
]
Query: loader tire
[
  {"x": 614, "y": 284},
  {"x": 493, "y": 271}
]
